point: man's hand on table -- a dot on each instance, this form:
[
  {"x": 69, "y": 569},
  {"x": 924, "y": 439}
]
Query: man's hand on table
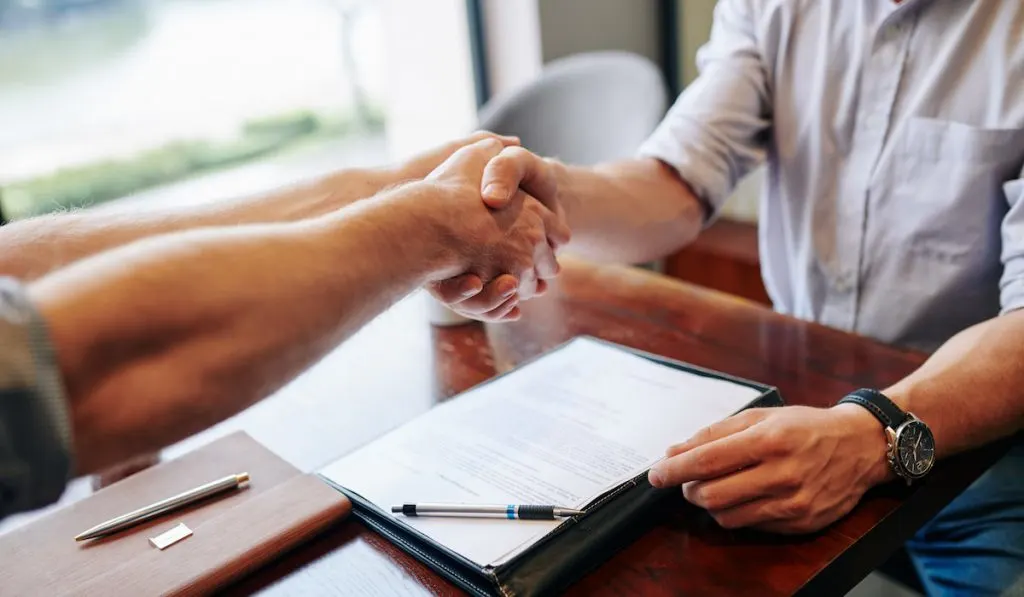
[
  {"x": 792, "y": 469},
  {"x": 512, "y": 247}
]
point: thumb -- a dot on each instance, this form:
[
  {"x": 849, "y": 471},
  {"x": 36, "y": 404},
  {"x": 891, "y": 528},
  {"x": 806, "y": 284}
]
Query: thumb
[
  {"x": 517, "y": 169},
  {"x": 503, "y": 176}
]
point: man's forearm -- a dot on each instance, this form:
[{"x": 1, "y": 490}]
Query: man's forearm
[
  {"x": 37, "y": 246},
  {"x": 631, "y": 211},
  {"x": 969, "y": 391},
  {"x": 187, "y": 329}
]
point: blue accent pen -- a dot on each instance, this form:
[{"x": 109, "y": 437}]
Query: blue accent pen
[{"x": 510, "y": 511}]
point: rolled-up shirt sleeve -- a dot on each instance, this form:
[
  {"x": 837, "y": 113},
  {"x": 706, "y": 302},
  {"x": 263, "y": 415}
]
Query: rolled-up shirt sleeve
[
  {"x": 716, "y": 132},
  {"x": 35, "y": 429}
]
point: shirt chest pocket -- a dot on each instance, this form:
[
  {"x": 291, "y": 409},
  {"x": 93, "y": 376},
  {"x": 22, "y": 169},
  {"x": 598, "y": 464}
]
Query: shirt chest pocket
[{"x": 946, "y": 181}]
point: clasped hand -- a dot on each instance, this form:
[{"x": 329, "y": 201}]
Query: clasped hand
[{"x": 511, "y": 234}]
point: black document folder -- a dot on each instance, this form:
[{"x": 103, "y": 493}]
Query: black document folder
[{"x": 575, "y": 547}]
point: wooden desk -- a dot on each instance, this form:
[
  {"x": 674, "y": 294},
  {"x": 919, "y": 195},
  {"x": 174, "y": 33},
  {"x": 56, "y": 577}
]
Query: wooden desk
[{"x": 398, "y": 367}]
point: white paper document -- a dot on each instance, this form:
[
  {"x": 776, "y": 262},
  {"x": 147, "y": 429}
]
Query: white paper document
[{"x": 559, "y": 431}]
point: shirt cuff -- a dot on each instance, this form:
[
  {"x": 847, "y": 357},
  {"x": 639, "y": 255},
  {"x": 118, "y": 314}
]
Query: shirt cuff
[
  {"x": 36, "y": 459},
  {"x": 1011, "y": 296}
]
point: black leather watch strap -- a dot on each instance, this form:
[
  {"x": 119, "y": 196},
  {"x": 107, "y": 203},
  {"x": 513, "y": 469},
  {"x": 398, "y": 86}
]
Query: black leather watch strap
[{"x": 878, "y": 404}]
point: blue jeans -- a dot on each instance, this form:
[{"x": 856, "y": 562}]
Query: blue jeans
[{"x": 975, "y": 546}]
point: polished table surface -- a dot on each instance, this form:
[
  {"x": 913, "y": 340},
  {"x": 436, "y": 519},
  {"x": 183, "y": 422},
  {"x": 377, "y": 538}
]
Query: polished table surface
[{"x": 399, "y": 366}]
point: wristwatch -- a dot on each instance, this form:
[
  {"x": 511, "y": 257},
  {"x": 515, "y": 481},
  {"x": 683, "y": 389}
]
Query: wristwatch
[{"x": 910, "y": 445}]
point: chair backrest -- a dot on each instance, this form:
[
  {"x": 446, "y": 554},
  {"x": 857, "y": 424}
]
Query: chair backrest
[{"x": 585, "y": 108}]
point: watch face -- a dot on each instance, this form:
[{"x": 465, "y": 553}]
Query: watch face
[{"x": 915, "y": 448}]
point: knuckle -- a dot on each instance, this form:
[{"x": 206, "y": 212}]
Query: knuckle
[
  {"x": 515, "y": 152},
  {"x": 789, "y": 480},
  {"x": 752, "y": 416},
  {"x": 799, "y": 506},
  {"x": 700, "y": 495},
  {"x": 703, "y": 462},
  {"x": 493, "y": 143},
  {"x": 704, "y": 433},
  {"x": 702, "y": 437},
  {"x": 775, "y": 440}
]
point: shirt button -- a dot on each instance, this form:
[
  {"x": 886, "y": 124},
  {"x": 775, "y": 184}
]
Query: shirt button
[{"x": 843, "y": 283}]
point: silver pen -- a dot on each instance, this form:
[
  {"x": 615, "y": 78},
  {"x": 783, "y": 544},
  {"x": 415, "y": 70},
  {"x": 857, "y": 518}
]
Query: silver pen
[
  {"x": 509, "y": 511},
  {"x": 176, "y": 502}
]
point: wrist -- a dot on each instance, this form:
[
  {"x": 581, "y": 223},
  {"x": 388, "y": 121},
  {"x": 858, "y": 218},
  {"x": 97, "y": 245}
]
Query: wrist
[
  {"x": 338, "y": 190},
  {"x": 440, "y": 233},
  {"x": 868, "y": 439},
  {"x": 351, "y": 186},
  {"x": 566, "y": 198},
  {"x": 397, "y": 174},
  {"x": 410, "y": 228}
]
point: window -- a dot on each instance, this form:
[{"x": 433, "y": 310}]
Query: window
[{"x": 101, "y": 99}]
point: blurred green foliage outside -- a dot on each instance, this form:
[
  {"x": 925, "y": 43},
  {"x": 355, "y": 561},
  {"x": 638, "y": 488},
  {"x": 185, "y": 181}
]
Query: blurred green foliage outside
[{"x": 91, "y": 184}]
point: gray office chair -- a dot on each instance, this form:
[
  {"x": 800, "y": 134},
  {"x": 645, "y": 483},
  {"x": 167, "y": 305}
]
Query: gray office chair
[{"x": 585, "y": 108}]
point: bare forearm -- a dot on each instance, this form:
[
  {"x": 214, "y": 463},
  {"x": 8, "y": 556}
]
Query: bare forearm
[
  {"x": 188, "y": 329},
  {"x": 37, "y": 246},
  {"x": 632, "y": 211},
  {"x": 969, "y": 391}
]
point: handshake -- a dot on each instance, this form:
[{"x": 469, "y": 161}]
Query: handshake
[{"x": 492, "y": 223}]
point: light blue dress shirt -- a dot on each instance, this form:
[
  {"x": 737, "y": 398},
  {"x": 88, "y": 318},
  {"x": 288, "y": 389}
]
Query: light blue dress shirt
[{"x": 894, "y": 138}]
